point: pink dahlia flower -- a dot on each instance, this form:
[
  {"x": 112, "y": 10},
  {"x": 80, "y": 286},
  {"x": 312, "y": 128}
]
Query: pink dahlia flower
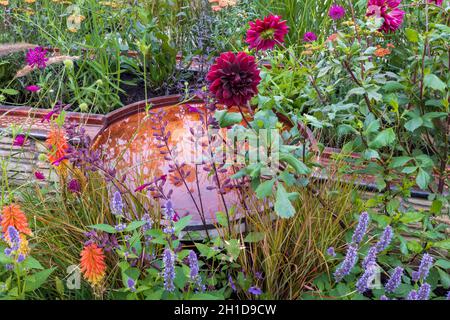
[
  {"x": 336, "y": 12},
  {"x": 19, "y": 140},
  {"x": 309, "y": 37},
  {"x": 37, "y": 57},
  {"x": 39, "y": 175},
  {"x": 234, "y": 78},
  {"x": 436, "y": 2},
  {"x": 33, "y": 88},
  {"x": 389, "y": 11},
  {"x": 264, "y": 34}
]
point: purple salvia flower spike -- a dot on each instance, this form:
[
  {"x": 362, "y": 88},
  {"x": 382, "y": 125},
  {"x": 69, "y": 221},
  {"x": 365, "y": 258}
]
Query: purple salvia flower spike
[{"x": 424, "y": 292}]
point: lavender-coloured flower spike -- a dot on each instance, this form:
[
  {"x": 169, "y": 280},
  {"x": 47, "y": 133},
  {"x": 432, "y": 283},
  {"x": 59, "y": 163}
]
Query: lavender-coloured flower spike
[
  {"x": 331, "y": 252},
  {"x": 361, "y": 228},
  {"x": 448, "y": 295},
  {"x": 347, "y": 265},
  {"x": 117, "y": 204},
  {"x": 424, "y": 292},
  {"x": 169, "y": 216},
  {"x": 232, "y": 285},
  {"x": 383, "y": 297},
  {"x": 363, "y": 282},
  {"x": 385, "y": 239},
  {"x": 395, "y": 280},
  {"x": 370, "y": 258},
  {"x": 412, "y": 295},
  {"x": 194, "y": 272},
  {"x": 424, "y": 268},
  {"x": 169, "y": 270}
]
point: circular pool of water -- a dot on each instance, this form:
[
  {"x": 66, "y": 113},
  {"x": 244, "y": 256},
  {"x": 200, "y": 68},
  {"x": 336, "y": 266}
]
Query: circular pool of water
[{"x": 130, "y": 143}]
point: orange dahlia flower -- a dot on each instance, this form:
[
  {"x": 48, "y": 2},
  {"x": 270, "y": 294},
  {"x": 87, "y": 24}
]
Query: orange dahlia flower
[
  {"x": 93, "y": 263},
  {"x": 12, "y": 215},
  {"x": 57, "y": 144}
]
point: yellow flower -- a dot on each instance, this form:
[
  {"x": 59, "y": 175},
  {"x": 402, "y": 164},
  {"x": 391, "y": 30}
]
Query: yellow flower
[
  {"x": 4, "y": 3},
  {"x": 75, "y": 18},
  {"x": 30, "y": 1}
]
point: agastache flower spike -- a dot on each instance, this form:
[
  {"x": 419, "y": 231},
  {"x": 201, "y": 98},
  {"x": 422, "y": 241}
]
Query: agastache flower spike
[
  {"x": 194, "y": 271},
  {"x": 424, "y": 292},
  {"x": 363, "y": 282},
  {"x": 361, "y": 228},
  {"x": 424, "y": 268},
  {"x": 385, "y": 239},
  {"x": 169, "y": 270},
  {"x": 370, "y": 258},
  {"x": 347, "y": 265},
  {"x": 117, "y": 204},
  {"x": 395, "y": 280}
]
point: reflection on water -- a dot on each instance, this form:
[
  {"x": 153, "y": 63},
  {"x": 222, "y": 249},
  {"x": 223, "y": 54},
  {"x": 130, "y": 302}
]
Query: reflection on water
[{"x": 131, "y": 145}]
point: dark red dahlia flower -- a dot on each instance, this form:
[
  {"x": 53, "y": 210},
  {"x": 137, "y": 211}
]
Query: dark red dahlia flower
[
  {"x": 389, "y": 11},
  {"x": 264, "y": 34},
  {"x": 234, "y": 78}
]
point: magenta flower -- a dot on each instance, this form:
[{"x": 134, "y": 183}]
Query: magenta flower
[
  {"x": 389, "y": 11},
  {"x": 33, "y": 88},
  {"x": 37, "y": 57},
  {"x": 39, "y": 175},
  {"x": 234, "y": 78},
  {"x": 436, "y": 2},
  {"x": 336, "y": 12},
  {"x": 309, "y": 37},
  {"x": 19, "y": 140},
  {"x": 74, "y": 186},
  {"x": 264, "y": 34}
]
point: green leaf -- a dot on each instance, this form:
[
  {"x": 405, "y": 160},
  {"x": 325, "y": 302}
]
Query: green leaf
[
  {"x": 444, "y": 244},
  {"x": 445, "y": 264},
  {"x": 182, "y": 223},
  {"x": 422, "y": 179},
  {"x": 445, "y": 278},
  {"x": 410, "y": 217},
  {"x": 222, "y": 219},
  {"x": 413, "y": 124},
  {"x": 104, "y": 227},
  {"x": 399, "y": 162},
  {"x": 32, "y": 263},
  {"x": 433, "y": 82},
  {"x": 412, "y": 35},
  {"x": 10, "y": 92},
  {"x": 134, "y": 225},
  {"x": 384, "y": 138},
  {"x": 34, "y": 281},
  {"x": 254, "y": 237},
  {"x": 299, "y": 166},
  {"x": 265, "y": 189},
  {"x": 205, "y": 296},
  {"x": 227, "y": 119},
  {"x": 414, "y": 246},
  {"x": 283, "y": 206}
]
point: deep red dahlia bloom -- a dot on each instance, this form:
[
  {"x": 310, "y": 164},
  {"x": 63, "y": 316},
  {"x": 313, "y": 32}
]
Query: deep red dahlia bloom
[
  {"x": 389, "y": 11},
  {"x": 264, "y": 34},
  {"x": 234, "y": 78}
]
